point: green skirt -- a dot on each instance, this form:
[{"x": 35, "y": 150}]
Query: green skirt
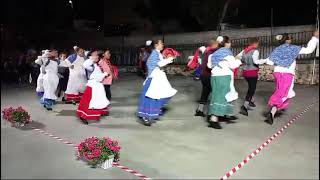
[{"x": 218, "y": 103}]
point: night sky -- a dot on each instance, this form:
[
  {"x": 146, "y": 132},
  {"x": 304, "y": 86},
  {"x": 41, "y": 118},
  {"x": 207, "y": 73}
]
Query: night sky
[{"x": 187, "y": 15}]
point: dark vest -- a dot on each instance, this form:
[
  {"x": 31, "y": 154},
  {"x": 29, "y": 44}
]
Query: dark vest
[{"x": 247, "y": 61}]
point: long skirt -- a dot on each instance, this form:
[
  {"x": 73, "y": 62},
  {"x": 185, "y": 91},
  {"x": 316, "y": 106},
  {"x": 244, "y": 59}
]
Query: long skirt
[
  {"x": 148, "y": 107},
  {"x": 280, "y": 97},
  {"x": 219, "y": 105},
  {"x": 83, "y": 110}
]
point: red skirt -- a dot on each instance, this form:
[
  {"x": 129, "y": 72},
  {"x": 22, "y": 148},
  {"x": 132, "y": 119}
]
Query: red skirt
[
  {"x": 83, "y": 110},
  {"x": 73, "y": 97}
]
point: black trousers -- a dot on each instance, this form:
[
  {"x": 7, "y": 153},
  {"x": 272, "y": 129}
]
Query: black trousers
[
  {"x": 107, "y": 88},
  {"x": 252, "y": 84},
  {"x": 206, "y": 88}
]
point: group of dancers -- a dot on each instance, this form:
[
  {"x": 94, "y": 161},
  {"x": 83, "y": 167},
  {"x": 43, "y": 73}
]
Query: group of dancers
[
  {"x": 86, "y": 77},
  {"x": 217, "y": 76},
  {"x": 83, "y": 77}
]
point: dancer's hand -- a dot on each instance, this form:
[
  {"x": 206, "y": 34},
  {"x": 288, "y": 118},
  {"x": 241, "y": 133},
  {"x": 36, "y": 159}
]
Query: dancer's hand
[{"x": 316, "y": 33}]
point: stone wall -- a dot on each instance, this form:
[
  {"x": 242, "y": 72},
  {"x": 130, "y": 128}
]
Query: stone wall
[{"x": 303, "y": 72}]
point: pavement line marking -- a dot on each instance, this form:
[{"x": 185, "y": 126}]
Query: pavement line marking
[
  {"x": 251, "y": 156},
  {"x": 127, "y": 169}
]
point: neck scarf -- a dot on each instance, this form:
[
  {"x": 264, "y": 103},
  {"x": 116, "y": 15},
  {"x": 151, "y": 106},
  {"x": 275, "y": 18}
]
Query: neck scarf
[
  {"x": 285, "y": 54},
  {"x": 219, "y": 54},
  {"x": 249, "y": 48}
]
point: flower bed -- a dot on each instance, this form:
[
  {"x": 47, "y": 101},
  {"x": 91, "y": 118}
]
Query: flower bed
[
  {"x": 18, "y": 117},
  {"x": 96, "y": 151}
]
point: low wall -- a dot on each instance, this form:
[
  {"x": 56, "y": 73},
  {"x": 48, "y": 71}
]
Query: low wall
[
  {"x": 88, "y": 40},
  {"x": 303, "y": 72}
]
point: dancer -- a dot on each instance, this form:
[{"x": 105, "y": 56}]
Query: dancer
[
  {"x": 144, "y": 55},
  {"x": 77, "y": 76},
  {"x": 195, "y": 62},
  {"x": 63, "y": 73},
  {"x": 250, "y": 59},
  {"x": 283, "y": 58},
  {"x": 94, "y": 102},
  {"x": 50, "y": 80},
  {"x": 106, "y": 67},
  {"x": 157, "y": 90},
  {"x": 40, "y": 61},
  {"x": 223, "y": 92},
  {"x": 205, "y": 77}
]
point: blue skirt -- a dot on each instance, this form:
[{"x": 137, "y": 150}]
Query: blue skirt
[
  {"x": 197, "y": 72},
  {"x": 148, "y": 107}
]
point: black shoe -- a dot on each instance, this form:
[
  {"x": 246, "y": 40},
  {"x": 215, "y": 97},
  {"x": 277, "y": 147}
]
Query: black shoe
[
  {"x": 63, "y": 99},
  {"x": 84, "y": 121},
  {"x": 252, "y": 104},
  {"x": 243, "y": 111},
  {"x": 215, "y": 125},
  {"x": 199, "y": 113},
  {"x": 164, "y": 110},
  {"x": 49, "y": 108},
  {"x": 230, "y": 117},
  {"x": 74, "y": 102},
  {"x": 146, "y": 122},
  {"x": 270, "y": 119}
]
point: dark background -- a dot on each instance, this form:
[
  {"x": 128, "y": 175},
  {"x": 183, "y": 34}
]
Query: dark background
[{"x": 151, "y": 16}]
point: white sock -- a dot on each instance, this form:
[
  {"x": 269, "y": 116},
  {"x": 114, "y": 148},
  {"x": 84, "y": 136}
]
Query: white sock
[
  {"x": 214, "y": 118},
  {"x": 200, "y": 107},
  {"x": 273, "y": 110}
]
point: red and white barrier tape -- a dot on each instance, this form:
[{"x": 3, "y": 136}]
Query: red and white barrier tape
[
  {"x": 254, "y": 153},
  {"x": 127, "y": 169}
]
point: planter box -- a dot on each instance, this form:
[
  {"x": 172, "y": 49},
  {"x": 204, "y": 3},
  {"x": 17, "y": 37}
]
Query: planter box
[{"x": 108, "y": 163}]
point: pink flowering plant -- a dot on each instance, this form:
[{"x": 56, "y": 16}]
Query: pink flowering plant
[
  {"x": 97, "y": 150},
  {"x": 16, "y": 115}
]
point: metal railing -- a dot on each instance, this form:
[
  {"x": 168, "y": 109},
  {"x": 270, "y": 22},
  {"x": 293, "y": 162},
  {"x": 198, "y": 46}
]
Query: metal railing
[{"x": 129, "y": 56}]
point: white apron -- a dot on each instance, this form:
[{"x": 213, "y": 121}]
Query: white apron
[
  {"x": 98, "y": 96},
  {"x": 232, "y": 94},
  {"x": 160, "y": 87},
  {"x": 77, "y": 77},
  {"x": 50, "y": 80},
  {"x": 40, "y": 82}
]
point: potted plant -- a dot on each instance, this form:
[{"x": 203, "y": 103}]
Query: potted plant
[
  {"x": 18, "y": 117},
  {"x": 99, "y": 151}
]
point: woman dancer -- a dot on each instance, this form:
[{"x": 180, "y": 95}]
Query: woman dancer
[
  {"x": 250, "y": 59},
  {"x": 50, "y": 80},
  {"x": 157, "y": 90},
  {"x": 77, "y": 76},
  {"x": 94, "y": 102},
  {"x": 223, "y": 92},
  {"x": 106, "y": 67},
  {"x": 283, "y": 58}
]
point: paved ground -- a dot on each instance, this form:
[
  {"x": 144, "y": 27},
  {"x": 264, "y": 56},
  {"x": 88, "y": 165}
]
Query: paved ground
[{"x": 179, "y": 146}]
